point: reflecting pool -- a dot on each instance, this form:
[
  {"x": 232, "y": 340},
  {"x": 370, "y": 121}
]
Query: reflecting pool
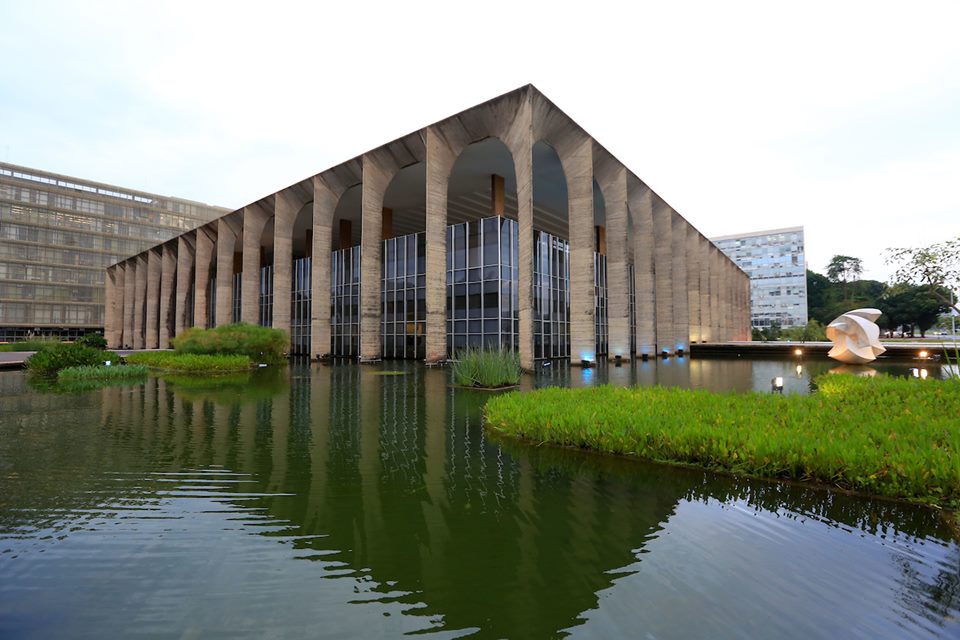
[{"x": 347, "y": 501}]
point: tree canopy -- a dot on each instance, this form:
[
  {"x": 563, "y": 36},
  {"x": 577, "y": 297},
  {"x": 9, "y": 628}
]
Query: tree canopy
[{"x": 936, "y": 266}]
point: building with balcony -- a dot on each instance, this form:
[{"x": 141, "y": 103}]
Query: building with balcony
[
  {"x": 775, "y": 262},
  {"x": 504, "y": 225}
]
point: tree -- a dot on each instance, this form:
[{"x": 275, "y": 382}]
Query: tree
[
  {"x": 844, "y": 269},
  {"x": 936, "y": 267},
  {"x": 913, "y": 306}
]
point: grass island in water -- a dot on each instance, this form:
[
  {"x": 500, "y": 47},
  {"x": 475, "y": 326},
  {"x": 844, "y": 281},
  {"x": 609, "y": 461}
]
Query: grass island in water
[{"x": 892, "y": 437}]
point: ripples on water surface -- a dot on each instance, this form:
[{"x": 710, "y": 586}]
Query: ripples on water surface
[{"x": 334, "y": 502}]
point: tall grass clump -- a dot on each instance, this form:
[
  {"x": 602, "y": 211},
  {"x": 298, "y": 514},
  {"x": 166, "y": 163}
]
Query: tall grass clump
[
  {"x": 260, "y": 344},
  {"x": 191, "y": 362},
  {"x": 952, "y": 369},
  {"x": 887, "y": 436},
  {"x": 51, "y": 359},
  {"x": 487, "y": 368},
  {"x": 101, "y": 372}
]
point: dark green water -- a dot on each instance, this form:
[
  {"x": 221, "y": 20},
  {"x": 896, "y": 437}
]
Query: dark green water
[{"x": 336, "y": 502}]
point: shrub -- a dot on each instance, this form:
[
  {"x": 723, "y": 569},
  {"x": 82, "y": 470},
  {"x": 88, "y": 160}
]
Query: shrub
[
  {"x": 190, "y": 362},
  {"x": 49, "y": 360},
  {"x": 889, "y": 436},
  {"x": 260, "y": 344},
  {"x": 100, "y": 372},
  {"x": 487, "y": 368},
  {"x": 94, "y": 340},
  {"x": 28, "y": 345}
]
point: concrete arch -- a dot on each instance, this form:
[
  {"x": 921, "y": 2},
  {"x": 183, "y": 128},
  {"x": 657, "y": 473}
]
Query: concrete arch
[
  {"x": 328, "y": 190},
  {"x": 255, "y": 218}
]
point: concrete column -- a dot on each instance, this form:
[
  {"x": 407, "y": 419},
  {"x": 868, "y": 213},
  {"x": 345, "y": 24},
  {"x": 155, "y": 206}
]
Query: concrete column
[
  {"x": 681, "y": 311},
  {"x": 152, "y": 332},
  {"x": 140, "y": 295},
  {"x": 285, "y": 213},
  {"x": 185, "y": 262},
  {"x": 325, "y": 200},
  {"x": 612, "y": 178},
  {"x": 440, "y": 158},
  {"x": 693, "y": 284},
  {"x": 168, "y": 281},
  {"x": 254, "y": 220},
  {"x": 641, "y": 208},
  {"x": 663, "y": 266},
  {"x": 522, "y": 151},
  {"x": 377, "y": 173},
  {"x": 716, "y": 311},
  {"x": 129, "y": 297},
  {"x": 576, "y": 156},
  {"x": 110, "y": 305},
  {"x": 725, "y": 291},
  {"x": 747, "y": 308},
  {"x": 201, "y": 277},
  {"x": 226, "y": 246},
  {"x": 706, "y": 319}
]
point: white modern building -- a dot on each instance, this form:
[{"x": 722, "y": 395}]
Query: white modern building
[{"x": 775, "y": 262}]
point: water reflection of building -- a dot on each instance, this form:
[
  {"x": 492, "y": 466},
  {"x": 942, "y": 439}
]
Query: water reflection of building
[
  {"x": 389, "y": 482},
  {"x": 504, "y": 225}
]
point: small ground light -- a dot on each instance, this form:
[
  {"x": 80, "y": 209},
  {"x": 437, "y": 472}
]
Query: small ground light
[
  {"x": 919, "y": 373},
  {"x": 799, "y": 370},
  {"x": 776, "y": 385},
  {"x": 923, "y": 355},
  {"x": 798, "y": 352}
]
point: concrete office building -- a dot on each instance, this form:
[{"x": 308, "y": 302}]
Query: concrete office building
[
  {"x": 58, "y": 234},
  {"x": 506, "y": 224},
  {"x": 775, "y": 262}
]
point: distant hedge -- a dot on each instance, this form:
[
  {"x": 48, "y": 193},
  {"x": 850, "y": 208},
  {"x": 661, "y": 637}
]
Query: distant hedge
[{"x": 260, "y": 344}]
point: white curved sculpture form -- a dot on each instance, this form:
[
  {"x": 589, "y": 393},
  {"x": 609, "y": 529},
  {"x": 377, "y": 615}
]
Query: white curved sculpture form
[{"x": 855, "y": 337}]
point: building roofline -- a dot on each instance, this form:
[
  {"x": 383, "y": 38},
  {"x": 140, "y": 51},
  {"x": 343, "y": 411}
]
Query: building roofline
[
  {"x": 101, "y": 189},
  {"x": 750, "y": 234}
]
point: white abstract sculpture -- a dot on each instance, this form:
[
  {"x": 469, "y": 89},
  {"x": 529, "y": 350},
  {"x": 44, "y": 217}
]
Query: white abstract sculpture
[{"x": 855, "y": 337}]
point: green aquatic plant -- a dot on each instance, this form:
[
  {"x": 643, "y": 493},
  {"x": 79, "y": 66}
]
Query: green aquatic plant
[
  {"x": 101, "y": 372},
  {"x": 487, "y": 368},
  {"x": 50, "y": 360},
  {"x": 190, "y": 362},
  {"x": 260, "y": 344},
  {"x": 886, "y": 436}
]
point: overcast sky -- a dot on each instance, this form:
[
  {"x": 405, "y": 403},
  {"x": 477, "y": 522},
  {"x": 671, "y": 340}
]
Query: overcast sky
[{"x": 843, "y": 117}]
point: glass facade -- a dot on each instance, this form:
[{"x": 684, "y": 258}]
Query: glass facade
[
  {"x": 58, "y": 235},
  {"x": 482, "y": 304},
  {"x": 212, "y": 302},
  {"x": 551, "y": 296},
  {"x": 600, "y": 302},
  {"x": 265, "y": 315},
  {"x": 345, "y": 302},
  {"x": 775, "y": 262},
  {"x": 237, "y": 288},
  {"x": 482, "y": 293},
  {"x": 300, "y": 307},
  {"x": 404, "y": 308}
]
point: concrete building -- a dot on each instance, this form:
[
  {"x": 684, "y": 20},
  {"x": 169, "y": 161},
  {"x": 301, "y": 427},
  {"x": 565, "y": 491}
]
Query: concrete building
[
  {"x": 775, "y": 262},
  {"x": 58, "y": 234},
  {"x": 505, "y": 224}
]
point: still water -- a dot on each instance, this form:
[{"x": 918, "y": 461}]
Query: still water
[{"x": 328, "y": 502}]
